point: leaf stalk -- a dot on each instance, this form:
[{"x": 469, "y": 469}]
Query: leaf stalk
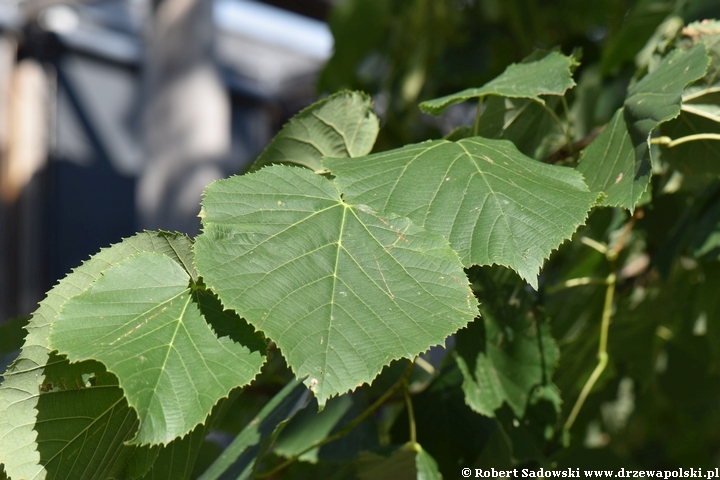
[
  {"x": 602, "y": 351},
  {"x": 411, "y": 414},
  {"x": 564, "y": 128},
  {"x": 577, "y": 282},
  {"x": 670, "y": 143}
]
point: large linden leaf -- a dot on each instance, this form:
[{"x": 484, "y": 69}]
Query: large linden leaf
[
  {"x": 494, "y": 204},
  {"x": 140, "y": 321},
  {"x": 341, "y": 125},
  {"x": 549, "y": 75},
  {"x": 54, "y": 413},
  {"x": 341, "y": 289},
  {"x": 618, "y": 161}
]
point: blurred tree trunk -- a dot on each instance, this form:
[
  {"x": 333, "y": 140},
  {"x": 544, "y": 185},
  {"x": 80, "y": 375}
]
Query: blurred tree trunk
[
  {"x": 185, "y": 116},
  {"x": 24, "y": 134}
]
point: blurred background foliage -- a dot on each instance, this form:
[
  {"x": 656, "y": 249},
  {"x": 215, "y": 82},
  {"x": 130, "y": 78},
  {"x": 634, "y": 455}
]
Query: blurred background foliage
[{"x": 657, "y": 405}]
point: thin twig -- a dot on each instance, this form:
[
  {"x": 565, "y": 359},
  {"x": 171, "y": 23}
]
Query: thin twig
[
  {"x": 411, "y": 414},
  {"x": 594, "y": 244},
  {"x": 611, "y": 254},
  {"x": 577, "y": 282},
  {"x": 577, "y": 146},
  {"x": 563, "y": 128}
]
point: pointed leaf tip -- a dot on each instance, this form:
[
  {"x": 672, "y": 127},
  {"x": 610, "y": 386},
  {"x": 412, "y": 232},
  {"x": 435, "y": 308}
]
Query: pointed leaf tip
[{"x": 549, "y": 75}]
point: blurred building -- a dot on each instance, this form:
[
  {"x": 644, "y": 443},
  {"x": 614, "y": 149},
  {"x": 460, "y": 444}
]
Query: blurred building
[{"x": 114, "y": 115}]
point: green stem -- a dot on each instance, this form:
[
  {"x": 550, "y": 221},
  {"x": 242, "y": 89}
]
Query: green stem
[
  {"x": 602, "y": 350},
  {"x": 577, "y": 282},
  {"x": 476, "y": 126},
  {"x": 347, "y": 428},
  {"x": 411, "y": 414},
  {"x": 670, "y": 143},
  {"x": 594, "y": 244},
  {"x": 569, "y": 135},
  {"x": 565, "y": 131},
  {"x": 700, "y": 93}
]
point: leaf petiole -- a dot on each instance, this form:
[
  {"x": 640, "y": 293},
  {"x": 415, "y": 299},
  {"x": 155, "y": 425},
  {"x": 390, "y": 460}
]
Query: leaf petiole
[
  {"x": 411, "y": 413},
  {"x": 670, "y": 143},
  {"x": 561, "y": 125},
  {"x": 602, "y": 352},
  {"x": 577, "y": 282}
]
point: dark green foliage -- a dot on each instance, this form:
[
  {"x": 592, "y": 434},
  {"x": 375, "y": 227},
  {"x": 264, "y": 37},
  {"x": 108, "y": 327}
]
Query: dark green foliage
[{"x": 538, "y": 289}]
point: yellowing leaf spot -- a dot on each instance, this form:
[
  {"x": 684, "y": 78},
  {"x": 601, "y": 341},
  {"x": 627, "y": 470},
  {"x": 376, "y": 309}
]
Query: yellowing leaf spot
[{"x": 619, "y": 177}]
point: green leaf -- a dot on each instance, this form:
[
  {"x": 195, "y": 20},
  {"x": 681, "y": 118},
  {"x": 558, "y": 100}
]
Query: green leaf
[
  {"x": 427, "y": 467},
  {"x": 178, "y": 459},
  {"x": 705, "y": 241},
  {"x": 310, "y": 426},
  {"x": 710, "y": 111},
  {"x": 494, "y": 204},
  {"x": 238, "y": 459},
  {"x": 446, "y": 427},
  {"x": 550, "y": 75},
  {"x": 175, "y": 460},
  {"x": 227, "y": 322},
  {"x": 73, "y": 422},
  {"x": 700, "y": 109},
  {"x": 617, "y": 163},
  {"x": 509, "y": 352},
  {"x": 526, "y": 123},
  {"x": 140, "y": 321},
  {"x": 656, "y": 98},
  {"x": 341, "y": 289},
  {"x": 706, "y": 32},
  {"x": 38, "y": 385},
  {"x": 400, "y": 464},
  {"x": 409, "y": 462},
  {"x": 341, "y": 125},
  {"x": 608, "y": 165}
]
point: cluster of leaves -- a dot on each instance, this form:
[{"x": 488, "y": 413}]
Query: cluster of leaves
[{"x": 346, "y": 267}]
